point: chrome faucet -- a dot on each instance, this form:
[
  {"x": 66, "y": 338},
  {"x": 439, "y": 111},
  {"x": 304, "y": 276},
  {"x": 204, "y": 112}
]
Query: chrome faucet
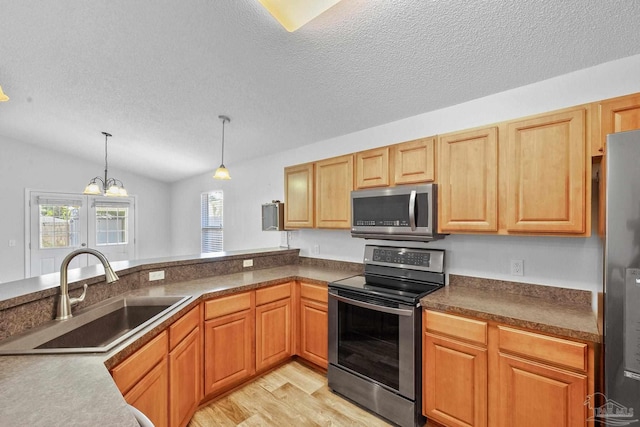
[{"x": 64, "y": 302}]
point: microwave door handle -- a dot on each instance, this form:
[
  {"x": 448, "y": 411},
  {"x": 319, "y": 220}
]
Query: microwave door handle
[{"x": 412, "y": 210}]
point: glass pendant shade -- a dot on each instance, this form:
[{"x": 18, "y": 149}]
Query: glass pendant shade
[
  {"x": 3, "y": 97},
  {"x": 293, "y": 14},
  {"x": 222, "y": 173},
  {"x": 92, "y": 188}
]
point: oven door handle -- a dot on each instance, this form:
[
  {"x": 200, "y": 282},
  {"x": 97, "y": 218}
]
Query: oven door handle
[{"x": 382, "y": 308}]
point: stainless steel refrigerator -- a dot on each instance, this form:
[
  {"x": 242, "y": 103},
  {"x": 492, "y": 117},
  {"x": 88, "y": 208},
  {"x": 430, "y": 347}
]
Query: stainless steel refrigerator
[{"x": 622, "y": 280}]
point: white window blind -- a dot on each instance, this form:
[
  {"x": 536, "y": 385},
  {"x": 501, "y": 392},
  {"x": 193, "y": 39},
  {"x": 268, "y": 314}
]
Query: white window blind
[{"x": 211, "y": 222}]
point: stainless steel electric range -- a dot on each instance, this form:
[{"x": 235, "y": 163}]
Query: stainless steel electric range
[{"x": 375, "y": 351}]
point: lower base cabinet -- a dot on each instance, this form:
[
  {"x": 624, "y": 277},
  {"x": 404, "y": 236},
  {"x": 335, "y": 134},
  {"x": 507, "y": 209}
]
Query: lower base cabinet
[
  {"x": 222, "y": 343},
  {"x": 314, "y": 324},
  {"x": 150, "y": 395},
  {"x": 534, "y": 394},
  {"x": 477, "y": 373},
  {"x": 228, "y": 341},
  {"x": 185, "y": 368},
  {"x": 143, "y": 380},
  {"x": 455, "y": 389}
]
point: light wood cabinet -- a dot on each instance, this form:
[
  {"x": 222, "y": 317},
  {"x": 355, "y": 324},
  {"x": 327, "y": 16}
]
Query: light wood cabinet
[
  {"x": 478, "y": 373},
  {"x": 542, "y": 380},
  {"x": 228, "y": 341},
  {"x": 150, "y": 395},
  {"x": 143, "y": 380},
  {"x": 334, "y": 183},
  {"x": 273, "y": 326},
  {"x": 314, "y": 324},
  {"x": 547, "y": 175},
  {"x": 468, "y": 181},
  {"x": 185, "y": 368},
  {"x": 414, "y": 161},
  {"x": 372, "y": 168},
  {"x": 616, "y": 115},
  {"x": 299, "y": 206},
  {"x": 455, "y": 369}
]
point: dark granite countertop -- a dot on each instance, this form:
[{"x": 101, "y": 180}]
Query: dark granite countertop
[
  {"x": 562, "y": 312},
  {"x": 77, "y": 390}
]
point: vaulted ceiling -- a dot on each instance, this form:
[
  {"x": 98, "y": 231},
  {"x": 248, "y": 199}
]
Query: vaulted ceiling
[{"x": 156, "y": 74}]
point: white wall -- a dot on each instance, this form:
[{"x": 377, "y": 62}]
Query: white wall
[
  {"x": 567, "y": 262},
  {"x": 26, "y": 166}
]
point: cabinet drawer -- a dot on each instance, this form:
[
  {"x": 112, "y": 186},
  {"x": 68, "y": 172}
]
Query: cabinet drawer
[
  {"x": 227, "y": 305},
  {"x": 129, "y": 372},
  {"x": 183, "y": 326},
  {"x": 273, "y": 293},
  {"x": 550, "y": 349},
  {"x": 314, "y": 292},
  {"x": 455, "y": 326}
]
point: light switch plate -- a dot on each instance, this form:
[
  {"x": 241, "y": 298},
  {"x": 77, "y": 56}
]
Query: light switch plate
[{"x": 247, "y": 263}]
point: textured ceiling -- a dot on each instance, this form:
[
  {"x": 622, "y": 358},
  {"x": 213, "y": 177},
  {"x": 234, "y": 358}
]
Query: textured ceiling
[{"x": 156, "y": 74}]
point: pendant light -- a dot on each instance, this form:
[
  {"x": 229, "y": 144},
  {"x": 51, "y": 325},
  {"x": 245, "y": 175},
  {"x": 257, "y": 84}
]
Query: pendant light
[
  {"x": 3, "y": 97},
  {"x": 110, "y": 186},
  {"x": 222, "y": 172}
]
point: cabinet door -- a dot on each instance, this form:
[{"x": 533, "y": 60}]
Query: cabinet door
[
  {"x": 150, "y": 395},
  {"x": 228, "y": 350},
  {"x": 185, "y": 375},
  {"x": 619, "y": 115},
  {"x": 547, "y": 174},
  {"x": 414, "y": 161},
  {"x": 536, "y": 395},
  {"x": 372, "y": 168},
  {"x": 334, "y": 183},
  {"x": 468, "y": 181},
  {"x": 314, "y": 326},
  {"x": 616, "y": 115},
  {"x": 299, "y": 196},
  {"x": 454, "y": 382},
  {"x": 273, "y": 333}
]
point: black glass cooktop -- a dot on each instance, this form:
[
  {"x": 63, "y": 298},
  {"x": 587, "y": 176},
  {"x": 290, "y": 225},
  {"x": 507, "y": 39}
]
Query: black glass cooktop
[{"x": 388, "y": 288}]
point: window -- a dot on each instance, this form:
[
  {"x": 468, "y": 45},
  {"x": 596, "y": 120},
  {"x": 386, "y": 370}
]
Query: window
[
  {"x": 112, "y": 225},
  {"x": 59, "y": 223},
  {"x": 211, "y": 222}
]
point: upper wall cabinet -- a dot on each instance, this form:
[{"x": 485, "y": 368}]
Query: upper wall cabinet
[
  {"x": 414, "y": 161},
  {"x": 468, "y": 181},
  {"x": 618, "y": 115},
  {"x": 299, "y": 207},
  {"x": 372, "y": 168},
  {"x": 334, "y": 183},
  {"x": 547, "y": 174}
]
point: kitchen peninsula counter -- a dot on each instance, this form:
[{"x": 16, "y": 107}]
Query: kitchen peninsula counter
[{"x": 77, "y": 390}]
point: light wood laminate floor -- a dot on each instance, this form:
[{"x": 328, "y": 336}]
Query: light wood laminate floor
[{"x": 292, "y": 395}]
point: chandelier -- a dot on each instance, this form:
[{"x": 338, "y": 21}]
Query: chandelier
[{"x": 110, "y": 186}]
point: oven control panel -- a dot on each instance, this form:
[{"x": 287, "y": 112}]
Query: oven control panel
[{"x": 411, "y": 258}]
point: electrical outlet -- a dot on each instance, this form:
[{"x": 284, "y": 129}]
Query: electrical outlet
[
  {"x": 517, "y": 267},
  {"x": 247, "y": 263},
  {"x": 156, "y": 275}
]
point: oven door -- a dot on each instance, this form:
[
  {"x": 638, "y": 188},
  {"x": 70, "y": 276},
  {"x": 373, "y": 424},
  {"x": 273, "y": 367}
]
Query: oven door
[{"x": 374, "y": 339}]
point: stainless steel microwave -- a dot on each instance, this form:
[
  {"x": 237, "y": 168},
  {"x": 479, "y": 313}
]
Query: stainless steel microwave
[{"x": 398, "y": 213}]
